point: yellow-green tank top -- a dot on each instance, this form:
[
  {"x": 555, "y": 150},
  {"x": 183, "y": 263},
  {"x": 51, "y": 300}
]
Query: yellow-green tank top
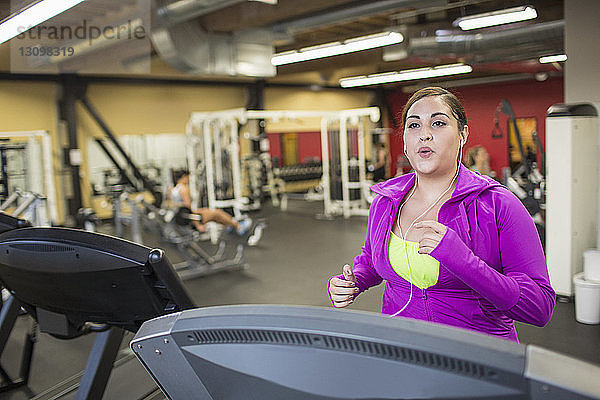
[{"x": 424, "y": 269}]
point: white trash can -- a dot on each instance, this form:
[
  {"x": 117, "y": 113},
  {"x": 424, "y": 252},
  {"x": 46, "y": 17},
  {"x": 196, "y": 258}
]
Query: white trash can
[{"x": 587, "y": 300}]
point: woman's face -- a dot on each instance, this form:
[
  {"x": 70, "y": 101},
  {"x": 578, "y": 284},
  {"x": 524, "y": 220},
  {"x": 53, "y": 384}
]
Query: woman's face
[
  {"x": 431, "y": 137},
  {"x": 482, "y": 156}
]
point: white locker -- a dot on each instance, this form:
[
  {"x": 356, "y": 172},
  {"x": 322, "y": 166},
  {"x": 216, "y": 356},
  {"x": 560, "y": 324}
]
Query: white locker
[{"x": 572, "y": 190}]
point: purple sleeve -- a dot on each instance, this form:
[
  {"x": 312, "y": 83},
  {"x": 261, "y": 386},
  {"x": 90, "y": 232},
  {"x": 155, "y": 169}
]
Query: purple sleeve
[
  {"x": 522, "y": 288},
  {"x": 363, "y": 269}
]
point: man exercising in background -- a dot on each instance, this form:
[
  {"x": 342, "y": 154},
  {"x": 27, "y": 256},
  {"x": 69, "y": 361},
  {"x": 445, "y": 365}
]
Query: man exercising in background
[{"x": 179, "y": 196}]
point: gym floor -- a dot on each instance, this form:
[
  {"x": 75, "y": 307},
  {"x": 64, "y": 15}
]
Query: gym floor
[{"x": 291, "y": 265}]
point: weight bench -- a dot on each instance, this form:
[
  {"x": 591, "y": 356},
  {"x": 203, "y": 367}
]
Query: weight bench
[
  {"x": 226, "y": 255},
  {"x": 74, "y": 282}
]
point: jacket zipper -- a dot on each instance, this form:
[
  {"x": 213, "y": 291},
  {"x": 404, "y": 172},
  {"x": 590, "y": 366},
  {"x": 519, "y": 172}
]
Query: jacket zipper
[{"x": 427, "y": 311}]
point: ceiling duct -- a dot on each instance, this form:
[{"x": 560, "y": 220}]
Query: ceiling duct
[
  {"x": 349, "y": 13},
  {"x": 174, "y": 12},
  {"x": 182, "y": 43},
  {"x": 501, "y": 45}
]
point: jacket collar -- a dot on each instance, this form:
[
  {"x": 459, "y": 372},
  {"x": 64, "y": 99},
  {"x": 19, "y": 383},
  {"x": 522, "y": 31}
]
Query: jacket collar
[{"x": 468, "y": 186}]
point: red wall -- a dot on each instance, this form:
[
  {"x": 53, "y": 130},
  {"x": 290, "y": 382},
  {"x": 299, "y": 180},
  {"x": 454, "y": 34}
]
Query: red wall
[
  {"x": 275, "y": 146},
  {"x": 309, "y": 145},
  {"x": 528, "y": 99}
]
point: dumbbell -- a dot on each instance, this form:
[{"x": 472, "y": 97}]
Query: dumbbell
[{"x": 184, "y": 216}]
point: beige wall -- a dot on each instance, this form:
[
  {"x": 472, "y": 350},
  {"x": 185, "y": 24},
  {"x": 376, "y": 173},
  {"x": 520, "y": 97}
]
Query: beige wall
[
  {"x": 296, "y": 99},
  {"x": 27, "y": 106},
  {"x": 133, "y": 109},
  {"x": 138, "y": 109}
]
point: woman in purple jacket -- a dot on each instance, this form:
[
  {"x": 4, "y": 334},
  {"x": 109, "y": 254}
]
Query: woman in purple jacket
[{"x": 453, "y": 246}]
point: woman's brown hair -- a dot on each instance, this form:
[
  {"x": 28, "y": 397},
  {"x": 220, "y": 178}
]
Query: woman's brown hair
[
  {"x": 471, "y": 154},
  {"x": 447, "y": 97}
]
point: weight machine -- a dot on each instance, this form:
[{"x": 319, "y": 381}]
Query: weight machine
[
  {"x": 174, "y": 229},
  {"x": 5, "y": 149},
  {"x": 28, "y": 205},
  {"x": 37, "y": 176},
  {"x": 527, "y": 181},
  {"x": 215, "y": 164}
]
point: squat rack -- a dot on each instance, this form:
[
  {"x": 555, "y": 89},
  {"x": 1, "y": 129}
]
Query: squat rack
[{"x": 211, "y": 130}]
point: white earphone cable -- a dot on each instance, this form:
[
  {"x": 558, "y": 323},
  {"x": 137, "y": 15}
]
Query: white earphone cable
[{"x": 403, "y": 236}]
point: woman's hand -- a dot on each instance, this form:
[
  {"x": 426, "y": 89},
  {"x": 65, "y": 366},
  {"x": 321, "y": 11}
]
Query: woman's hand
[
  {"x": 342, "y": 291},
  {"x": 431, "y": 233}
]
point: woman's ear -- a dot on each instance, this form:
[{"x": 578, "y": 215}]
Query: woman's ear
[{"x": 464, "y": 135}]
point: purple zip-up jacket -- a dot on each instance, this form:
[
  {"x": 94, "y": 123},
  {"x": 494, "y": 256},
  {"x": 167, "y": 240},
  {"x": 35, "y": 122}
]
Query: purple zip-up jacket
[{"x": 492, "y": 265}]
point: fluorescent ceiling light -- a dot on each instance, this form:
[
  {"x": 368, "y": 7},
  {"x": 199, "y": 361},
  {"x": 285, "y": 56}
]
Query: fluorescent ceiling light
[
  {"x": 337, "y": 48},
  {"x": 555, "y": 58},
  {"x": 410, "y": 74},
  {"x": 496, "y": 18},
  {"x": 31, "y": 16}
]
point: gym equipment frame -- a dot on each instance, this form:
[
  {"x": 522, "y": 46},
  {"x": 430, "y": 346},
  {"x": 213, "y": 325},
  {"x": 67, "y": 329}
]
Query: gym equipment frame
[
  {"x": 207, "y": 131},
  {"x": 197, "y": 260},
  {"x": 40, "y": 176}
]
